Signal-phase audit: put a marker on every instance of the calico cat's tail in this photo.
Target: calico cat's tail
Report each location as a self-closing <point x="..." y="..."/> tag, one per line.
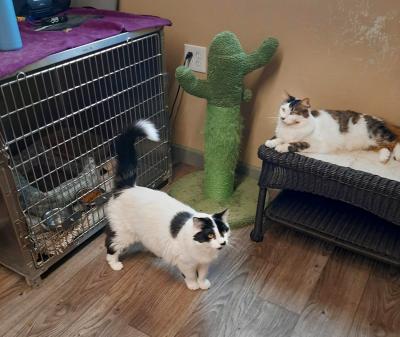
<point x="125" y="176"/>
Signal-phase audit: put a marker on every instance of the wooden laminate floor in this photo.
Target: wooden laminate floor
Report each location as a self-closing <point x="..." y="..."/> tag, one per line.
<point x="289" y="285"/>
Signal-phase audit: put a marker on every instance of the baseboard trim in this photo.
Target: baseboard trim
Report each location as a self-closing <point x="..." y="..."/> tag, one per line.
<point x="183" y="154"/>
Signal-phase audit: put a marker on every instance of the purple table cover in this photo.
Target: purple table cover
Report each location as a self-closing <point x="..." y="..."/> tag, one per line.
<point x="38" y="45"/>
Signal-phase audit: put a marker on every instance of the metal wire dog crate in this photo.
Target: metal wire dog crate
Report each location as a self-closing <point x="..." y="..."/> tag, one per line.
<point x="58" y="123"/>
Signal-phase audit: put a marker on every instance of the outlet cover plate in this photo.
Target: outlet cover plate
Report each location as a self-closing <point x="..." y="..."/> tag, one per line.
<point x="199" y="59"/>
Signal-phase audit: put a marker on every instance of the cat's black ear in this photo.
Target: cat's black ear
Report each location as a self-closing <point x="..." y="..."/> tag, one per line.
<point x="289" y="97"/>
<point x="222" y="215"/>
<point x="306" y="102"/>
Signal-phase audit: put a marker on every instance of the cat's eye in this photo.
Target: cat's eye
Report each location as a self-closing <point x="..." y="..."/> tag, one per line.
<point x="211" y="236"/>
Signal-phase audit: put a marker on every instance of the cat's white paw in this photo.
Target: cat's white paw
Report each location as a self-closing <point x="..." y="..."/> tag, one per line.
<point x="282" y="148"/>
<point x="204" y="284"/>
<point x="114" y="263"/>
<point x="271" y="143"/>
<point x="192" y="285"/>
<point x="384" y="155"/>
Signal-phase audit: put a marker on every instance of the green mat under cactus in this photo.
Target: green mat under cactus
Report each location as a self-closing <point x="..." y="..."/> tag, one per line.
<point x="242" y="204"/>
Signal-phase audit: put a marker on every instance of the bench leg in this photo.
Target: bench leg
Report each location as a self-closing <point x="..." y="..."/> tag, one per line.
<point x="257" y="234"/>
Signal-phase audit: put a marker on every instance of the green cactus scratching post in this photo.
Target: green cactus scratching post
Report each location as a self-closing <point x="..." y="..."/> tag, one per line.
<point x="224" y="91"/>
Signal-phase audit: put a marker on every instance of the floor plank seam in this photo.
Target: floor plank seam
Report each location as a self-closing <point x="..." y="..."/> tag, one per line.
<point x="358" y="304"/>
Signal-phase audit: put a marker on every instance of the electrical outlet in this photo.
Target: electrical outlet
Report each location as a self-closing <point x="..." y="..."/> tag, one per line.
<point x="199" y="59"/>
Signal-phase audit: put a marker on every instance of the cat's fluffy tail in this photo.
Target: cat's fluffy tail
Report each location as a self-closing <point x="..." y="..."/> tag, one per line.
<point x="125" y="176"/>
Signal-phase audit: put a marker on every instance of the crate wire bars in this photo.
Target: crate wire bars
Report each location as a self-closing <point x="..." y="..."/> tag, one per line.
<point x="58" y="126"/>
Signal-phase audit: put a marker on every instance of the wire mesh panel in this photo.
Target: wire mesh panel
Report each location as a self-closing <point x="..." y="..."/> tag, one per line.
<point x="59" y="126"/>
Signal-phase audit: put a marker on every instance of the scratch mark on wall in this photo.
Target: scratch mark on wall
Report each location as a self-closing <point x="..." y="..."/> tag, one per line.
<point x="358" y="24"/>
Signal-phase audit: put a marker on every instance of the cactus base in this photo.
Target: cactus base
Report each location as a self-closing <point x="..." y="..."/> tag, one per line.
<point x="242" y="204"/>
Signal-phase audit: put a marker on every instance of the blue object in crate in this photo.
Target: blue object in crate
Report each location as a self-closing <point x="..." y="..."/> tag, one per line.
<point x="10" y="38"/>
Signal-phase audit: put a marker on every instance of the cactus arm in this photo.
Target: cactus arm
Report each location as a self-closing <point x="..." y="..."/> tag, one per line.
<point x="191" y="84"/>
<point x="262" y="55"/>
<point x="247" y="95"/>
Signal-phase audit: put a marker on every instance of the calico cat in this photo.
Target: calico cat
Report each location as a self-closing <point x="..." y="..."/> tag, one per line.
<point x="302" y="129"/>
<point x="170" y="229"/>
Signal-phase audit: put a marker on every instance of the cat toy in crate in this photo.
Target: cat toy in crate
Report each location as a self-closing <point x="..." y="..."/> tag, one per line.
<point x="37" y="202"/>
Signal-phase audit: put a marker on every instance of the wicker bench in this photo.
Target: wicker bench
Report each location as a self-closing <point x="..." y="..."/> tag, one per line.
<point x="351" y="208"/>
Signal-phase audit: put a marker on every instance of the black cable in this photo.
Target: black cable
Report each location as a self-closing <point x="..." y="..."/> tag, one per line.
<point x="188" y="58"/>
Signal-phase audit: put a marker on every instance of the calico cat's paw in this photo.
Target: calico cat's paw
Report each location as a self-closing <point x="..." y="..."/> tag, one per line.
<point x="271" y="143"/>
<point x="204" y="284"/>
<point x="282" y="148"/>
<point x="396" y="152"/>
<point x="192" y="285"/>
<point x="384" y="155"/>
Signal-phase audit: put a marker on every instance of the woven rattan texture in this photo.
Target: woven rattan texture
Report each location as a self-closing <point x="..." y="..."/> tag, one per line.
<point x="338" y="222"/>
<point x="292" y="171"/>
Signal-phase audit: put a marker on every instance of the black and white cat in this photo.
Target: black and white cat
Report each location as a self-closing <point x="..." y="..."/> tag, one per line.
<point x="170" y="229"/>
<point x="301" y="129"/>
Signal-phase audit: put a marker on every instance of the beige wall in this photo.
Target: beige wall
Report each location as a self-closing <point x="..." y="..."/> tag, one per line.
<point x="343" y="54"/>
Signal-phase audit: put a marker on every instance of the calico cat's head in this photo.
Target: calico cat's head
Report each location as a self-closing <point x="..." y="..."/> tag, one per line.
<point x="212" y="230"/>
<point x="294" y="110"/>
